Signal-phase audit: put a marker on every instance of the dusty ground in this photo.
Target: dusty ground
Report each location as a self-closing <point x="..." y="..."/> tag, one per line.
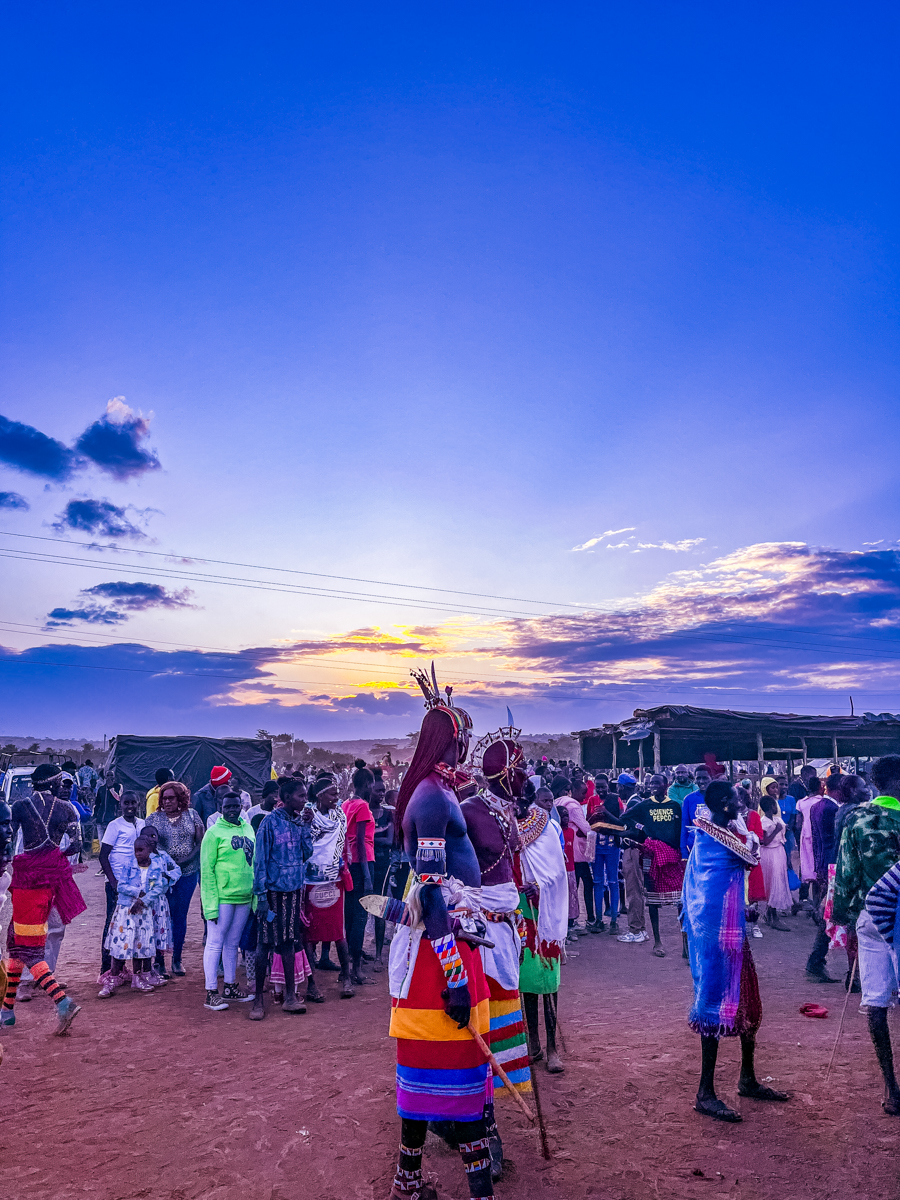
<point x="152" y="1096"/>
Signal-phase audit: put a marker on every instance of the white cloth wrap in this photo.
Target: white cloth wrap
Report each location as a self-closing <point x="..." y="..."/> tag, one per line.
<point x="543" y="863"/>
<point x="405" y="943"/>
<point x="501" y="963"/>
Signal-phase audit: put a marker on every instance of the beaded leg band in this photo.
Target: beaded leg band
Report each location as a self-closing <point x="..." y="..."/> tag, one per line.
<point x="476" y="1158"/>
<point x="408" y="1178"/>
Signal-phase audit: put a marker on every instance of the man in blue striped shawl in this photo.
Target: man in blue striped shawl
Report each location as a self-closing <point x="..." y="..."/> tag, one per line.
<point x="726" y="992"/>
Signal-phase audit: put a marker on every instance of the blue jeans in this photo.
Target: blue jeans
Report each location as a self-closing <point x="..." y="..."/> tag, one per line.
<point x="180" y="896"/>
<point x="606" y="875"/>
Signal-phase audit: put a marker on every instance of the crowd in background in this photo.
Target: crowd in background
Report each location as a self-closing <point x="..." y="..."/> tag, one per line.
<point x="156" y="850"/>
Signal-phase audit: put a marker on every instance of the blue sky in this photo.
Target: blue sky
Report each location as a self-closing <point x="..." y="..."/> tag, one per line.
<point x="435" y="298"/>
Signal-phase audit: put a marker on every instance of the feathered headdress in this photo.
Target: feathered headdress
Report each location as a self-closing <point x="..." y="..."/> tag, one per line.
<point x="434" y="699"/>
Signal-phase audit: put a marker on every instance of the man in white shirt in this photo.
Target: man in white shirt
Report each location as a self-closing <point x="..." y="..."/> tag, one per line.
<point x="116" y="851"/>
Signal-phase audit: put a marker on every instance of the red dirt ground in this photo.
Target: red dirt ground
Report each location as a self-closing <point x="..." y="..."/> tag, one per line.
<point x="154" y="1097"/>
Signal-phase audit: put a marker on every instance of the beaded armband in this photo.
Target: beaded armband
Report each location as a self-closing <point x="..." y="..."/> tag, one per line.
<point x="449" y="957"/>
<point x="431" y="860"/>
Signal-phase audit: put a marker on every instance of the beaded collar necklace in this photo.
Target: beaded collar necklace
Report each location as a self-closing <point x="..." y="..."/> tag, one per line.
<point x="454" y="777"/>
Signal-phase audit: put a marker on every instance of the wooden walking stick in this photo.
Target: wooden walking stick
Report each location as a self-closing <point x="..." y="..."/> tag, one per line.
<point x="545" y="1148"/>
<point x="498" y="1070"/>
<point x="843" y="1014"/>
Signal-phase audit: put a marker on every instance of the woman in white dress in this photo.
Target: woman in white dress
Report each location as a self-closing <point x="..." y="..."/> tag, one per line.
<point x="774" y="863"/>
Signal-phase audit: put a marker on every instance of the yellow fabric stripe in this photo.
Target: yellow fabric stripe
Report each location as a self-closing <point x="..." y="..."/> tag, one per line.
<point x="502" y="1008"/>
<point x="433" y="1025"/>
<point x="30" y="930"/>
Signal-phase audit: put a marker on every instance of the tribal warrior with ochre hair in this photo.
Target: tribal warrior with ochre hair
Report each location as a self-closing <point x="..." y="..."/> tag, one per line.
<point x="437" y="981"/>
<point x="42" y="880"/>
<point x="491" y="822"/>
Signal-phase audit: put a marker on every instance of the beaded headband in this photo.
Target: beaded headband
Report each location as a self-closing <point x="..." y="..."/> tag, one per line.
<point x="505" y="734"/>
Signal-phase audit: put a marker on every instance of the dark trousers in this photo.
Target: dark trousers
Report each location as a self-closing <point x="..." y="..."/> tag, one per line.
<point x="180" y="896"/>
<point x="355" y="916"/>
<point x="111" y="900"/>
<point x="584" y="875"/>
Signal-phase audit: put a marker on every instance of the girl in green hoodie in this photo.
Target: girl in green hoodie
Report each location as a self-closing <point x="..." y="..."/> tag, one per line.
<point x="226" y="889"/>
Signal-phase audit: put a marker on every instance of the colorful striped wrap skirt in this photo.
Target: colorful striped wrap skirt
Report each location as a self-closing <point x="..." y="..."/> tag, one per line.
<point x="441" y="1072"/>
<point x="507" y="1038"/>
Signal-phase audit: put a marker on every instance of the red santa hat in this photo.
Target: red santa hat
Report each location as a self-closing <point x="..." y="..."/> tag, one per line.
<point x="219" y="775"/>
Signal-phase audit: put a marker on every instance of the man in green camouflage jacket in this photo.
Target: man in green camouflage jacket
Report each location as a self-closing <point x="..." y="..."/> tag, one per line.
<point x="870" y="845"/>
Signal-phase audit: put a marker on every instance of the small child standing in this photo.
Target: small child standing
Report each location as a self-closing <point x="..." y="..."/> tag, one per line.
<point x="162" y="918"/>
<point x="130" y="934"/>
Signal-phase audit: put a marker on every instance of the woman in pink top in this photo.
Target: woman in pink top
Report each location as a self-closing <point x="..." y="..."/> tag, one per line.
<point x="360" y="851"/>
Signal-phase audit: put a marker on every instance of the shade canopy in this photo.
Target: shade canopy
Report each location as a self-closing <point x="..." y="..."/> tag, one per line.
<point x="675" y="733"/>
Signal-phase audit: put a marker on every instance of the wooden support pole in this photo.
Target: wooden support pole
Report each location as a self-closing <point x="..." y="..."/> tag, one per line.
<point x="760" y="758"/>
<point x="657" y="754"/>
<point x="614" y="747"/>
<point x="805" y="751"/>
<point x="834" y="747"/>
<point x="641" y="758"/>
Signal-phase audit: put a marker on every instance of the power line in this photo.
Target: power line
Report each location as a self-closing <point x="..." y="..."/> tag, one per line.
<point x="450" y="607"/>
<point x="260" y="585"/>
<point x="222" y="562"/>
<point x="587" y="605"/>
<point x="296" y="589"/>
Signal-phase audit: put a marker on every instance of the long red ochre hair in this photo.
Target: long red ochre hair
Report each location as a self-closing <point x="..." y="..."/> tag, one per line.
<point x="436" y="737"/>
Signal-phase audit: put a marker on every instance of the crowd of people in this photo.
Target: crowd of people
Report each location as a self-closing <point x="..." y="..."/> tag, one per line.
<point x="487" y="867"/>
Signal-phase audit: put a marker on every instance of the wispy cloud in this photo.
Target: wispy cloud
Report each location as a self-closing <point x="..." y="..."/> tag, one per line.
<point x="100" y="517"/>
<point x="677" y="547"/>
<point x="631" y="543"/>
<point x="595" y="541"/>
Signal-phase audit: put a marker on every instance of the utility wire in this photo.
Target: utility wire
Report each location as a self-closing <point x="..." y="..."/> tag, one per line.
<point x="295" y="571"/>
<point x="450" y="606"/>
<point x="261" y="585"/>
<point x="301" y="590"/>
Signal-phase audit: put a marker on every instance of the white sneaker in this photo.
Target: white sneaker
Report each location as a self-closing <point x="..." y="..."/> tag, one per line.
<point x="756" y="932"/>
<point x="643" y="936"/>
<point x="626" y="937"/>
